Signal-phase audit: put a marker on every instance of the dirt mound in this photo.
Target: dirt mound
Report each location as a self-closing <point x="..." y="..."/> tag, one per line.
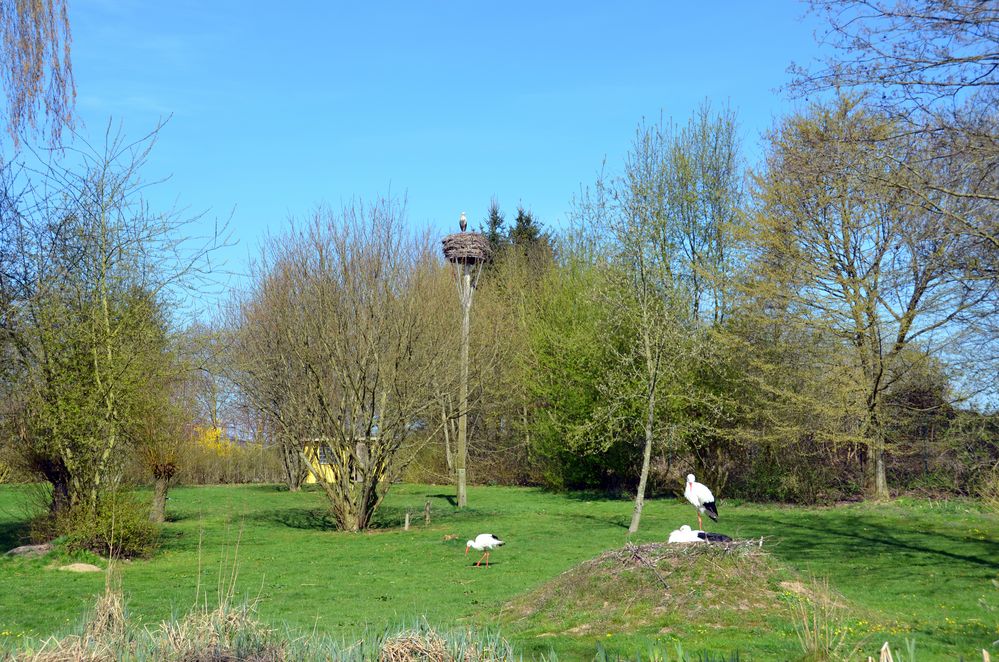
<point x="656" y="586"/>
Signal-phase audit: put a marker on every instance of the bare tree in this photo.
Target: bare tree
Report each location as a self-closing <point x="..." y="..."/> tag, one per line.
<point x="932" y="66"/>
<point x="262" y="363"/>
<point x="357" y="318"/>
<point x="704" y="195"/>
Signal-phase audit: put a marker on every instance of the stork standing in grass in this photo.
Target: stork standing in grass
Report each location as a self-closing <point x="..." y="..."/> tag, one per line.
<point x="484" y="542"/>
<point x="702" y="499"/>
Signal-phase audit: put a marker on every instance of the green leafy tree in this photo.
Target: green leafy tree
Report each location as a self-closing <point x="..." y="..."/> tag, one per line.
<point x="85" y="314"/>
<point x="861" y="258"/>
<point x="582" y="435"/>
<point x="632" y="215"/>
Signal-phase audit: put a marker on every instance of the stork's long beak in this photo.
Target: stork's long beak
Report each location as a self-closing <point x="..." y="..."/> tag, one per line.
<point x="466" y="550"/>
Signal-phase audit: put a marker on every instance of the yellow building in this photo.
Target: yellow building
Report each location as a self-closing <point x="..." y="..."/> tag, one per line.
<point x="320" y="455"/>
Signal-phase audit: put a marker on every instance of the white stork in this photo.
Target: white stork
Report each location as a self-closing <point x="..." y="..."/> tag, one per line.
<point x="686" y="534"/>
<point x="701" y="498"/>
<point x="484" y="542"/>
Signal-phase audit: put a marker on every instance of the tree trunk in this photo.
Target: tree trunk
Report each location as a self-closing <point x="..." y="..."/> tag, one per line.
<point x="877" y="480"/>
<point x="55" y="472"/>
<point x="646" y="461"/>
<point x="158" y="512"/>
<point x="60" y="495"/>
<point x="293" y="472"/>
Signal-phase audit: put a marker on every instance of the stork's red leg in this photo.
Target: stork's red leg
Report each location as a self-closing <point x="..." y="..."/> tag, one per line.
<point x="700" y="523"/>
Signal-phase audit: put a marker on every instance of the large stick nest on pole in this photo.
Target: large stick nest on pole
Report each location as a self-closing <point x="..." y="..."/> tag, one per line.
<point x="467" y="247"/>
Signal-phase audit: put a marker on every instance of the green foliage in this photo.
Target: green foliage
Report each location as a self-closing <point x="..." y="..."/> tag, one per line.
<point x="790" y="473"/>
<point x="117" y="527"/>
<point x="90" y="290"/>
<point x="494" y="230"/>
<point x="526" y="233"/>
<point x="582" y="438"/>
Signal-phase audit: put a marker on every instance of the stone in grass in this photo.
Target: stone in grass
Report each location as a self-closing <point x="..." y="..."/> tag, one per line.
<point x="80" y="567"/>
<point x="30" y="551"/>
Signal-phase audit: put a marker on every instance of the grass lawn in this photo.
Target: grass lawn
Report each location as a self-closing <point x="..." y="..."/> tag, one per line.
<point x="908" y="569"/>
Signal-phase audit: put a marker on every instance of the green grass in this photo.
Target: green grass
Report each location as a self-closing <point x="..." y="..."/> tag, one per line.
<point x="907" y="569"/>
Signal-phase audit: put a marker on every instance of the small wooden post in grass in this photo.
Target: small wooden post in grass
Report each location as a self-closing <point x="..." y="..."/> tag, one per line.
<point x="406" y="526"/>
<point x="426" y="513"/>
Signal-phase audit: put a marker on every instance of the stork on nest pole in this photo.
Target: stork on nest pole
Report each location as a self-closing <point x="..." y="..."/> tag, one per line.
<point x="467" y="252"/>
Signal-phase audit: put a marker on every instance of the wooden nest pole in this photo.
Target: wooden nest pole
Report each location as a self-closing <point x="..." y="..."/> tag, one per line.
<point x="467" y="252"/>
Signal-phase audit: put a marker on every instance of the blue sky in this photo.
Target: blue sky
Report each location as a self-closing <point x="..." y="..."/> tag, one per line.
<point x="277" y="107"/>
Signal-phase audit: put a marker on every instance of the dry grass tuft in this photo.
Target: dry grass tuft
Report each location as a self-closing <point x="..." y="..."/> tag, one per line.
<point x="820" y="621"/>
<point x="425" y="644"/>
<point x="223" y="633"/>
<point x="406" y="646"/>
<point x="105" y="632"/>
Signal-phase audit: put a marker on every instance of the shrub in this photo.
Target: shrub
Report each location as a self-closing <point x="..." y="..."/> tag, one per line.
<point x="119" y="527"/>
<point x="989" y="488"/>
<point x="226" y="462"/>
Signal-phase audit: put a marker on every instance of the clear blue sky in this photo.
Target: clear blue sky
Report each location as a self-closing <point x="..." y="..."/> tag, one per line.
<point x="279" y="106"/>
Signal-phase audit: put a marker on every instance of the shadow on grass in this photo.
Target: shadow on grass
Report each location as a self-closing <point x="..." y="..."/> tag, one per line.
<point x="386" y="517"/>
<point x="394" y="516"/>
<point x="13" y="534"/>
<point x="595" y="495"/>
<point x="450" y="498"/>
<point x="806" y="537"/>
<point x="269" y="488"/>
<point x="608" y="520"/>
<point x="309" y="519"/>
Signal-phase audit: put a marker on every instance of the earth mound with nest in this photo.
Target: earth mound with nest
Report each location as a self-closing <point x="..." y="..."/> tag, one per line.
<point x="660" y="588"/>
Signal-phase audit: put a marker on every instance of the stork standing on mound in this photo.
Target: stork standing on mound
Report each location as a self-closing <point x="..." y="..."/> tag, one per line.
<point x="484" y="542"/>
<point x="702" y="499"/>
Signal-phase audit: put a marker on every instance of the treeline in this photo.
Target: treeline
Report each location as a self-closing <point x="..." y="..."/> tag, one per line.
<point x="804" y="331"/>
<point x="820" y="325"/>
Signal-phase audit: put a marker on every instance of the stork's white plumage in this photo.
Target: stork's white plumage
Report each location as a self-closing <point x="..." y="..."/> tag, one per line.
<point x="484" y="542"/>
<point x="701" y="498"/>
<point x="684" y="534"/>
